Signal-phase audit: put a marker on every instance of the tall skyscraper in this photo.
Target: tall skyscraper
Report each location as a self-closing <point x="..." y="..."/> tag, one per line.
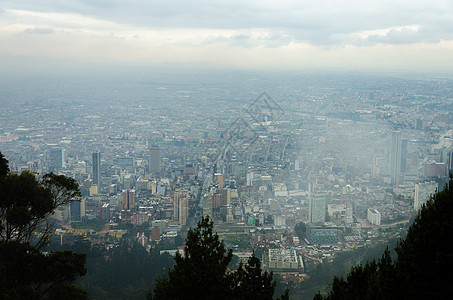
<point x="97" y="169"/>
<point x="449" y="159"/>
<point x="207" y="205"/>
<point x="317" y="207"/>
<point x="403" y="155"/>
<point x="154" y="159"/>
<point x="218" y="180"/>
<point x="56" y="159"/>
<point x="348" y="215"/>
<point x="77" y="210"/>
<point x="127" y="200"/>
<point x="181" y="206"/>
<point x="104" y="211"/>
<point x="398" y="155"/>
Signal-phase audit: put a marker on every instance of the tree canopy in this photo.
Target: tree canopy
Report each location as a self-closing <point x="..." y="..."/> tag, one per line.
<point x="4" y="167"/>
<point x="249" y="282"/>
<point x="300" y="230"/>
<point x="25" y="205"/>
<point x="27" y="273"/>
<point x="421" y="269"/>
<point x="202" y="272"/>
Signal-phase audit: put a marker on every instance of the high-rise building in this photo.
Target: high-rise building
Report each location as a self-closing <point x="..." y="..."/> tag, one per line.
<point x="434" y="169"/>
<point x="317" y="207"/>
<point x="77" y="210"/>
<point x="56" y="159"/>
<point x="398" y="156"/>
<point x="155" y="234"/>
<point x="419" y="124"/>
<point x="104" y="211"/>
<point x="403" y="155"/>
<point x="181" y="206"/>
<point x="216" y="201"/>
<point x="226" y="196"/>
<point x="423" y="191"/>
<point x="230" y="217"/>
<point x="189" y="170"/>
<point x="449" y="160"/>
<point x="127" y="200"/>
<point x="348" y="214"/>
<point x="373" y="216"/>
<point x="207" y="205"/>
<point x="154" y="159"/>
<point x="96" y="168"/>
<point x="218" y="180"/>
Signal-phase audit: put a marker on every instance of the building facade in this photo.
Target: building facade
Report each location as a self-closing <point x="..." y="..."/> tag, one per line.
<point x="128" y="200"/>
<point x="373" y="216"/>
<point x="56" y="159"/>
<point x="154" y="159"/>
<point x="423" y="192"/>
<point x="317" y="207"/>
<point x="398" y="155"/>
<point x="181" y="206"/>
<point x="96" y="169"/>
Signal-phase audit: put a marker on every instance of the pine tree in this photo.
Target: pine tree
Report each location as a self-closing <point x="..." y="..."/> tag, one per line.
<point x="202" y="272"/>
<point x="249" y="282"/>
<point x="421" y="269"/>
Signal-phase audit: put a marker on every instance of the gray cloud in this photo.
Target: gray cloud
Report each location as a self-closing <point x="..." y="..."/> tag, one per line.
<point x="38" y="31"/>
<point x="272" y="40"/>
<point x="326" y="23"/>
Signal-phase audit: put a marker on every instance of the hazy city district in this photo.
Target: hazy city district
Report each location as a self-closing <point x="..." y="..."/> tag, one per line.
<point x="295" y="167"/>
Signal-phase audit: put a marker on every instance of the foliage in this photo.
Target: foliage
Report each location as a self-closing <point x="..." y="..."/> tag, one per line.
<point x="300" y="230"/>
<point x="321" y="274"/>
<point x="95" y="224"/>
<point x="202" y="273"/>
<point x="418" y="270"/>
<point x="250" y="283"/>
<point x="25" y="205"/>
<point x="423" y="255"/>
<point x="31" y="274"/>
<point x="4" y="167"/>
<point x="123" y="271"/>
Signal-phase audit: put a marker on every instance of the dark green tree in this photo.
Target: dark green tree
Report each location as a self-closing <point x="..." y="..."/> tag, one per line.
<point x="374" y="280"/>
<point x="419" y="269"/>
<point x="300" y="230"/>
<point x="4" y="167"/>
<point x="31" y="274"/>
<point x="25" y="205"/>
<point x="423" y="256"/>
<point x="122" y="272"/>
<point x="202" y="272"/>
<point x="249" y="282"/>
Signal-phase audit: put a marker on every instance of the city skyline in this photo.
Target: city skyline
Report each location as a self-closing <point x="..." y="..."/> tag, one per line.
<point x="314" y="152"/>
<point x="297" y="136"/>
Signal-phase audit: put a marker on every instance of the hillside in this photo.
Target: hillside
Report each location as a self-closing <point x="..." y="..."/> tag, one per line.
<point x="422" y="268"/>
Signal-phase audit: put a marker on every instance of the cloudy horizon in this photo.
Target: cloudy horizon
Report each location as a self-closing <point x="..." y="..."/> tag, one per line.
<point x="382" y="35"/>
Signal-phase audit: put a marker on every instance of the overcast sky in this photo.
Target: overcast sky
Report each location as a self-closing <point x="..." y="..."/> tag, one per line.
<point x="279" y="34"/>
